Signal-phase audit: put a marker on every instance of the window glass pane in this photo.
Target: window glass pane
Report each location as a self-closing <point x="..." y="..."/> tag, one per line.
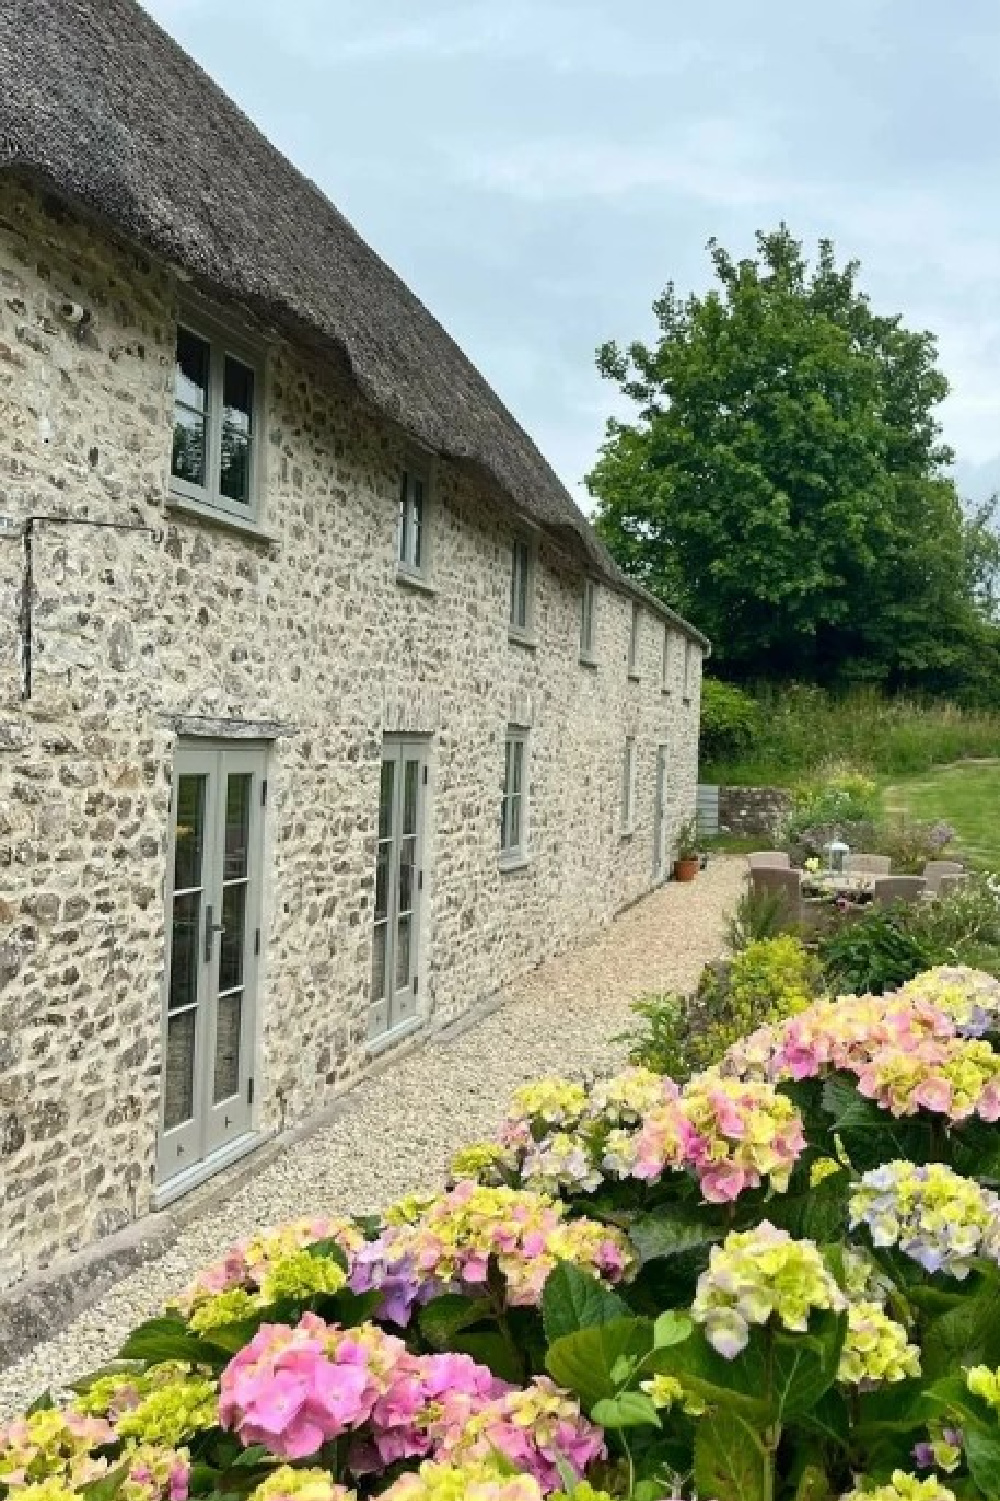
<point x="407" y="874"/>
<point x="233" y="937"/>
<point x="633" y="645"/>
<point x="517" y="764"/>
<point x="226" y="1080"/>
<point x="515" y="821"/>
<point x="418" y="522"/>
<point x="237" y="430"/>
<point x="189" y="832"/>
<point x="522" y="602"/>
<point x="178" y="1070"/>
<point x="187" y="460"/>
<point x="411" y="783"/>
<point x="505" y="822"/>
<point x="403" y="521"/>
<point x="378" y="962"/>
<point x="238" y="790"/>
<point x="385" y="800"/>
<point x="185" y="924"/>
<point x="403" y="953"/>
<point x="382" y="880"/>
<point x="191" y="371"/>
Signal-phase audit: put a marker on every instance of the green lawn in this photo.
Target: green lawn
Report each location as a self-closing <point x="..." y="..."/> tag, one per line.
<point x="966" y="795"/>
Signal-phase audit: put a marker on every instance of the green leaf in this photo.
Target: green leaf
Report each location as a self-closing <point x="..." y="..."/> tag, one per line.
<point x="107" y="1487"/>
<point x="967" y="1335"/>
<point x="671" y="1328"/>
<point x="730" y="1461"/>
<point x="672" y="1230"/>
<point x="813" y="1486"/>
<point x="829" y="1417"/>
<point x="583" y="1362"/>
<point x="255" y="1455"/>
<point x="444" y="1317"/>
<point x="627" y="1410"/>
<point x="42" y="1403"/>
<point x="573" y="1299"/>
<point x="731" y="1383"/>
<point x="982" y="1455"/>
<point x="164" y="1339"/>
<point x="329" y="1250"/>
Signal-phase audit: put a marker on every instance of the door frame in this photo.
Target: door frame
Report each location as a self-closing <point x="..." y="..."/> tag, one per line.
<point x="216" y="759"/>
<point x="406" y="746"/>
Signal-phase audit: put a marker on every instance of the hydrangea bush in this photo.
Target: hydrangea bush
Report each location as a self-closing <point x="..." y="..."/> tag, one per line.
<point x="776" y="1281"/>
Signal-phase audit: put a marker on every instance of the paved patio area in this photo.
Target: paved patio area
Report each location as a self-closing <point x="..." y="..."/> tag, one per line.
<point x="399" y="1130"/>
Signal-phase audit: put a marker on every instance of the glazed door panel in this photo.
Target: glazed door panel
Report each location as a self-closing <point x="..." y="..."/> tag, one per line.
<point x="398" y="886"/>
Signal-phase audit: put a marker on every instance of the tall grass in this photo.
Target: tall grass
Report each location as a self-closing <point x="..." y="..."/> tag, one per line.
<point x="801" y="728"/>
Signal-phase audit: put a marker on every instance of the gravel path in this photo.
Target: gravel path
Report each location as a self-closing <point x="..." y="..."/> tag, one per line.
<point x="400" y="1129"/>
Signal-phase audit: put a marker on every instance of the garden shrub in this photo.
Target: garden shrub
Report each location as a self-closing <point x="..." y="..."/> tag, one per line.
<point x="730" y="721"/>
<point x="878" y="950"/>
<point x="777" y="1282"/>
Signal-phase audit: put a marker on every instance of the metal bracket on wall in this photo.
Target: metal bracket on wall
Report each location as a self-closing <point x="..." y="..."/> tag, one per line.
<point x="24" y="527"/>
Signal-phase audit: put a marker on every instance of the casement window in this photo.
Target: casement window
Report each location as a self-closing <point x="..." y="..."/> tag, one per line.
<point x="689" y="647"/>
<point x="633" y="642"/>
<point x="412" y="552"/>
<point x="667" y="660"/>
<point x="215" y="460"/>
<point x="588" y="606"/>
<point x="514" y="804"/>
<point x="628" y="786"/>
<point x="522" y="589"/>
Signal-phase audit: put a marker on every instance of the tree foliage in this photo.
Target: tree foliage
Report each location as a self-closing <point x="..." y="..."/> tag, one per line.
<point x="784" y="481"/>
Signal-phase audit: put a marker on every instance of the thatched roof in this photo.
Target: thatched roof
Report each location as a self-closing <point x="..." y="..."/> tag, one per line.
<point x="102" y="106"/>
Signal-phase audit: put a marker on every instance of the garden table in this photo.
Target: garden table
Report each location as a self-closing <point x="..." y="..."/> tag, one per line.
<point x="834" y="883"/>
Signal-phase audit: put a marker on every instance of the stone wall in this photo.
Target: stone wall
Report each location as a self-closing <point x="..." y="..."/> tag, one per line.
<point x="754" y="810"/>
<point x="138" y="634"/>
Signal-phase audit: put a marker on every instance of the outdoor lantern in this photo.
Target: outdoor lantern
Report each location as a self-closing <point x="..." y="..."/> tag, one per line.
<point x="836" y="855"/>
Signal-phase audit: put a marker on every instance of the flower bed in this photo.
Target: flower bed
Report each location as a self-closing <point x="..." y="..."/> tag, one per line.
<point x="778" y="1280"/>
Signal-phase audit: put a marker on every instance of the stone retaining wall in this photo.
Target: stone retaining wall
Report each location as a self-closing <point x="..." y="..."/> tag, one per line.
<point x="754" y="810"/>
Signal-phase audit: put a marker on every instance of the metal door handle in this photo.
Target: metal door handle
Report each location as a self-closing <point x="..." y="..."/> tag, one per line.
<point x="210" y="929"/>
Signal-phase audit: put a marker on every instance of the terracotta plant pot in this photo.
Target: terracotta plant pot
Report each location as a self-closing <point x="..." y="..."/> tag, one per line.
<point x="686" y="870"/>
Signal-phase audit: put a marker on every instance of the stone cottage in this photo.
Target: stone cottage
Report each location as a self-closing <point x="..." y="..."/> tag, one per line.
<point x="323" y="712"/>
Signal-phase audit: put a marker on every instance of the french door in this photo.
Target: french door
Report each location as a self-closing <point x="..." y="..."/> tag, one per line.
<point x="213" y="917"/>
<point x="660" y="816"/>
<point x="398" y="885"/>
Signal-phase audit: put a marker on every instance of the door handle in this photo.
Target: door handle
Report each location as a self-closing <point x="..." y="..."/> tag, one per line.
<point x="211" y="928"/>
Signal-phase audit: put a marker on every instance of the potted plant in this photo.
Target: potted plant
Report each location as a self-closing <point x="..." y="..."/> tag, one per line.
<point x="686" y="857"/>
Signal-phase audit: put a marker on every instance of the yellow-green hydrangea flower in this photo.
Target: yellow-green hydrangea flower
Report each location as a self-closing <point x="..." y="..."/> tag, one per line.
<point x="301" y="1275"/>
<point x="904" y="1487"/>
<point x="173" y="1413"/>
<point x="876" y="1347"/>
<point x="484" y="1161"/>
<point x="983" y="1382"/>
<point x="666" y="1392"/>
<point x="479" y="1481"/>
<point x="288" y="1484"/>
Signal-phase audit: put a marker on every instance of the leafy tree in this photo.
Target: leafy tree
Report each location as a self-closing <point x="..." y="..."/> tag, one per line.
<point x="784" y="480"/>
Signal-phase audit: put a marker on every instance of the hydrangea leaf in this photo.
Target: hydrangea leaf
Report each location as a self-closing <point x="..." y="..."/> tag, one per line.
<point x="583" y="1362"/>
<point x="444" y="1317"/>
<point x="574" y="1299"/>
<point x="729" y="1459"/>
<point x="627" y="1410"/>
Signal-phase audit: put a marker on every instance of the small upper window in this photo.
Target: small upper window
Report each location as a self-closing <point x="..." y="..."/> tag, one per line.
<point x="667" y="660"/>
<point x="587" y="620"/>
<point x="628" y="787"/>
<point x="633" y="643"/>
<point x="215" y="459"/>
<point x="411" y="527"/>
<point x="513" y="806"/>
<point x="521" y="588"/>
<point x="689" y="648"/>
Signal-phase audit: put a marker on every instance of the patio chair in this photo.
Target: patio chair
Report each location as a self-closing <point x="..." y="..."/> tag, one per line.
<point x="868" y="865"/>
<point x="769" y="860"/>
<point x="934" y="870"/>
<point x="889" y="889"/>
<point x="773" y="880"/>
<point x="949" y="884"/>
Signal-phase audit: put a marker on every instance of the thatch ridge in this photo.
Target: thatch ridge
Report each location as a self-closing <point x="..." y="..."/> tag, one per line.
<point x="99" y="103"/>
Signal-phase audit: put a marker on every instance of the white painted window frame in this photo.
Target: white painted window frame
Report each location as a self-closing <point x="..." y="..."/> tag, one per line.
<point x="689" y="647"/>
<point x="629" y="780"/>
<point x="588" y="623"/>
<point x="634" y="639"/>
<point x="222" y="341"/>
<point x="415" y="469"/>
<point x="522" y="633"/>
<point x="668" y="658"/>
<point x="514" y="856"/>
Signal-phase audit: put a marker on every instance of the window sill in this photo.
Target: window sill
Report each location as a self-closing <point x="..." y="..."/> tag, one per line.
<point x="627" y="833"/>
<point x="416" y="581"/>
<point x="222" y="519"/>
<point x="511" y="863"/>
<point x="686" y="700"/>
<point x="634" y="677"/>
<point x="527" y="639"/>
<point x="586" y="661"/>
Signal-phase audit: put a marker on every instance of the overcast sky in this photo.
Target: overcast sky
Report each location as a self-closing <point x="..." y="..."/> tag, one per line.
<point x="537" y="170"/>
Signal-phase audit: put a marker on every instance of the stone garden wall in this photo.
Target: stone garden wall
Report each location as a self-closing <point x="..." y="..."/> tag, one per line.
<point x="138" y="635"/>
<point x="754" y="810"/>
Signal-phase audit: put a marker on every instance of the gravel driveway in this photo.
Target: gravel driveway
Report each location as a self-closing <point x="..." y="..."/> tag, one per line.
<point x="399" y="1130"/>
